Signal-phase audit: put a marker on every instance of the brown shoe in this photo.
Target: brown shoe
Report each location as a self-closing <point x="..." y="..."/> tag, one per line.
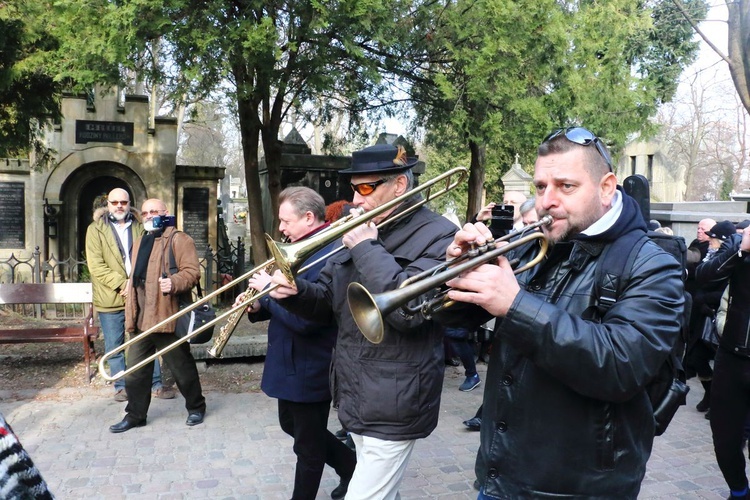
<point x="121" y="396"/>
<point x="163" y="393"/>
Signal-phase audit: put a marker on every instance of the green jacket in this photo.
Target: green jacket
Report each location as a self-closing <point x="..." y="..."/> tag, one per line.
<point x="105" y="262"/>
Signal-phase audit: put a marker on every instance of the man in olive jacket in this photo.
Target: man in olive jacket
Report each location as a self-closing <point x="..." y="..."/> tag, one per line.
<point x="389" y="393"/>
<point x="109" y="244"/>
<point x="566" y="413"/>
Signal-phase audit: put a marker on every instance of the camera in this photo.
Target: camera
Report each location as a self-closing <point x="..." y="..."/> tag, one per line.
<point x="502" y="220"/>
<point x="161" y="221"/>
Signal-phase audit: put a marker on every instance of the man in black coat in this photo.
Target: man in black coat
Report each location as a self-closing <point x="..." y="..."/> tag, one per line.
<point x="389" y="393"/>
<point x="730" y="388"/>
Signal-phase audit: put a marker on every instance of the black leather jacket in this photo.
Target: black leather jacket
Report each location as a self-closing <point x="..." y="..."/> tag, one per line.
<point x="565" y="411"/>
<point x="727" y="264"/>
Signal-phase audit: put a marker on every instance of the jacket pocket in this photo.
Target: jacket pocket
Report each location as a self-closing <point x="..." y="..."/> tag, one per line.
<point x="389" y="391"/>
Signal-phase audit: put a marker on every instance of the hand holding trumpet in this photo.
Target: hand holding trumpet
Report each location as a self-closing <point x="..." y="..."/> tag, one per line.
<point x="492" y="287"/>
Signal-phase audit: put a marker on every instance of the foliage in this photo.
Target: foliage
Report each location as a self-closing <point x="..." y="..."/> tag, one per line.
<point x="503" y="73"/>
<point x="28" y="95"/>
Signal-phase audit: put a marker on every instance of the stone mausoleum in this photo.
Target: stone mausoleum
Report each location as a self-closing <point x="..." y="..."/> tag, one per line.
<point x="104" y="140"/>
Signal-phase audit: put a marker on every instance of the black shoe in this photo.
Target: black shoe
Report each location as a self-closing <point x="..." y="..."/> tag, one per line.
<point x="704" y="403"/>
<point x="126" y="425"/>
<point x="340" y="434"/>
<point x="340" y="491"/>
<point x="350" y="443"/>
<point x="473" y="423"/>
<point x="195" y="418"/>
<point x="452" y="362"/>
<point x="707" y="416"/>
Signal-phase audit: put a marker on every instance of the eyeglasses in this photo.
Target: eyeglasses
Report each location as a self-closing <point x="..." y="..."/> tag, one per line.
<point x="152" y="212"/>
<point x="365" y="188"/>
<point x="584" y="137"/>
<point x="122" y="203"/>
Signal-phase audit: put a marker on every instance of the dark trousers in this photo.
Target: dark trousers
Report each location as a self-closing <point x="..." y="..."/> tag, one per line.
<point x="314" y="446"/>
<point x="730" y="402"/>
<point x="465" y="351"/>
<point x="179" y="360"/>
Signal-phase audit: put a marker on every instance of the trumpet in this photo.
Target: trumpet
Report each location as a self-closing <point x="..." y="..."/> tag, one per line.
<point x="288" y="257"/>
<point x="368" y="310"/>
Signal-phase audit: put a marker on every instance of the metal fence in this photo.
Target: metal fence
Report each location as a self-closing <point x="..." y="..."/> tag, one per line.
<point x="217" y="269"/>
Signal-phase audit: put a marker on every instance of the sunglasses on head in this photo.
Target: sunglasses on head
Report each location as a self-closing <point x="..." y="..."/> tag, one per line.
<point x="584" y="137"/>
<point x="121" y="202"/>
<point x="365" y="188"/>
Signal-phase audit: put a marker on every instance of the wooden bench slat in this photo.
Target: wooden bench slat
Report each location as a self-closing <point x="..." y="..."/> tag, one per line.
<point x="46" y="293"/>
<point x="52" y="293"/>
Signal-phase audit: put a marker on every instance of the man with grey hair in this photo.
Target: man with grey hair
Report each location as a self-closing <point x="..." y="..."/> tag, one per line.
<point x="409" y="360"/>
<point x="298" y="358"/>
<point x="109" y="243"/>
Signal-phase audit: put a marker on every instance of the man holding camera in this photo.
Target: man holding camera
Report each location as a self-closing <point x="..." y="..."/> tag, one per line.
<point x="153" y="296"/>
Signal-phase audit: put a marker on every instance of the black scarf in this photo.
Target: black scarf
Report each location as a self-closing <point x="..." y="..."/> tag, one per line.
<point x="144" y="252"/>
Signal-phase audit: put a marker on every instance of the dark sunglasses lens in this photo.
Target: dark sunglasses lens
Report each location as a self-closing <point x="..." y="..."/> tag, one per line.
<point x="553" y="134"/>
<point x="580" y="135"/>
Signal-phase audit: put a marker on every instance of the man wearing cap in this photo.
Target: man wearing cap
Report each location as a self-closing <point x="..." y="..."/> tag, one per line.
<point x="389" y="394"/>
<point x="706" y="298"/>
<point x="730" y="388"/>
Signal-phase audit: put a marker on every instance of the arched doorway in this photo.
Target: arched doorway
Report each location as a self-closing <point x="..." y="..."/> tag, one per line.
<point x="78" y="193"/>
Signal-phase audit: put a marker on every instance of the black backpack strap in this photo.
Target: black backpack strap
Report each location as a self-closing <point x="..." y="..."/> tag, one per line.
<point x="613" y="269"/>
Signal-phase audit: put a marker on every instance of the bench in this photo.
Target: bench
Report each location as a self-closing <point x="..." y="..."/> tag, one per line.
<point x="81" y="329"/>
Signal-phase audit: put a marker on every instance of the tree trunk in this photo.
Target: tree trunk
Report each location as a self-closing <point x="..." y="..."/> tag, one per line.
<point x="250" y="133"/>
<point x="476" y="179"/>
<point x="738" y="43"/>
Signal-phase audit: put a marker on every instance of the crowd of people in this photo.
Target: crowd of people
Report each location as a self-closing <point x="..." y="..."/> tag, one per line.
<point x="557" y="365"/>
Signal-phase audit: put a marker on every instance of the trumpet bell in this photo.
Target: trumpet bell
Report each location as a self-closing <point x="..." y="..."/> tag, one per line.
<point x="366" y="312"/>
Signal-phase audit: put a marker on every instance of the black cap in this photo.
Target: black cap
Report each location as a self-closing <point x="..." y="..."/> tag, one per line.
<point x="722" y="230"/>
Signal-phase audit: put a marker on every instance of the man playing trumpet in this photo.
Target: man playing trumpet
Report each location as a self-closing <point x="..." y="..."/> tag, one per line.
<point x="389" y="394"/>
<point x="565" y="413"/>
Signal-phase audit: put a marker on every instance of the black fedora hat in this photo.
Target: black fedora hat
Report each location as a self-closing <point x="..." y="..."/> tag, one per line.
<point x="722" y="230"/>
<point x="380" y="158"/>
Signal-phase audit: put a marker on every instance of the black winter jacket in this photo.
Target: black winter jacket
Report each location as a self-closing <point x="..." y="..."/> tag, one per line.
<point x="565" y="411"/>
<point x="390" y="390"/>
<point x="728" y="264"/>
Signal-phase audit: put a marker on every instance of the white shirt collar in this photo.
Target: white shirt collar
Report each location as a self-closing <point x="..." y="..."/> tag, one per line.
<point x="608" y="219"/>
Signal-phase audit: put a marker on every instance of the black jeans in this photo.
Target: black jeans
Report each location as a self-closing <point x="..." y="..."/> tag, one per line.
<point x="179" y="360"/>
<point x="730" y="402"/>
<point x="314" y="446"/>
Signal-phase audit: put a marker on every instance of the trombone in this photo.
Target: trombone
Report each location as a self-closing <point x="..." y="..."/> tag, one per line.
<point x="368" y="310"/>
<point x="288" y="257"/>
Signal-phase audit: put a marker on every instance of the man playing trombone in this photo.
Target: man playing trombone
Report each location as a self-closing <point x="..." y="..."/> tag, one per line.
<point x="565" y="413"/>
<point x="299" y="358"/>
<point x="389" y="394"/>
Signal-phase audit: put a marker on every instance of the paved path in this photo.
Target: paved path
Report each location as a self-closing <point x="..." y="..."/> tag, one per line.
<point x="241" y="453"/>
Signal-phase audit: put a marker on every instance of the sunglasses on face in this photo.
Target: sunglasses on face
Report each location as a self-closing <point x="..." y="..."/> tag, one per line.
<point x="122" y="203"/>
<point x="152" y="213"/>
<point x="584" y="137"/>
<point x="365" y="188"/>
